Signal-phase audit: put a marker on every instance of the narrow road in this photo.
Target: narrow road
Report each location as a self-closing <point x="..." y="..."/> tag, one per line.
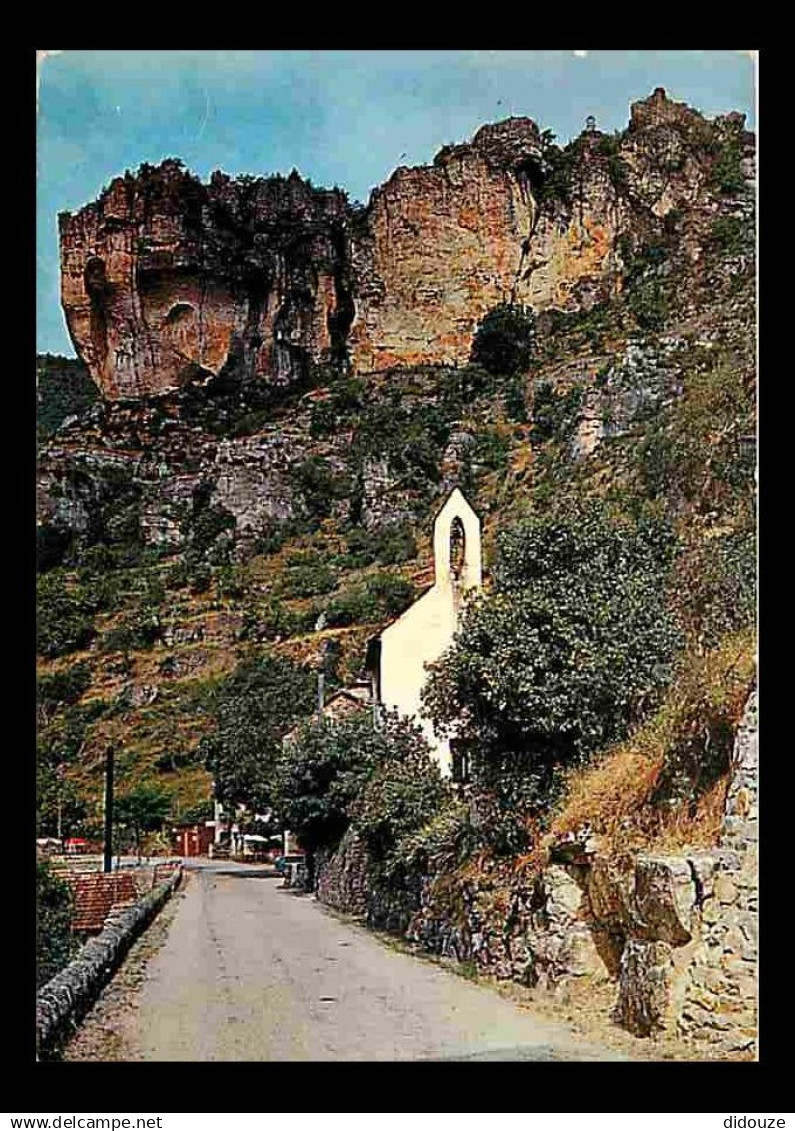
<point x="250" y="971"/>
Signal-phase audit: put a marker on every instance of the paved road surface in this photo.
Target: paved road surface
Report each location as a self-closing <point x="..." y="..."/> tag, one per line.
<point x="250" y="971"/>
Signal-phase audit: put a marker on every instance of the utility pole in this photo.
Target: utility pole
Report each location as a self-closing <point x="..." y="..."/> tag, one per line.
<point x="108" y="855"/>
<point x="60" y="772"/>
<point x="321" y="689"/>
<point x="320" y="624"/>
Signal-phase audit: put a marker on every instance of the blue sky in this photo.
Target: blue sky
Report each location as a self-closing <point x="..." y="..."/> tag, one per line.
<point x="340" y="117"/>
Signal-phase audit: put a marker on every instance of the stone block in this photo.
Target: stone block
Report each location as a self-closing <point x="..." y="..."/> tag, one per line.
<point x="609" y="894"/>
<point x="665" y="895"/>
<point x="563" y="893"/>
<point x="711" y="911"/>
<point x="645" y="983"/>
<point x="725" y="891"/>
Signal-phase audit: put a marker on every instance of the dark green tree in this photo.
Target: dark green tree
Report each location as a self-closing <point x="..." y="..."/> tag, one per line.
<point x="141" y="810"/>
<point x="321" y="773"/>
<point x="382" y="779"/>
<point x="404" y="793"/>
<point x="64" y="616"/>
<point x="572" y="647"/>
<point x="254" y="708"/>
<point x="504" y="340"/>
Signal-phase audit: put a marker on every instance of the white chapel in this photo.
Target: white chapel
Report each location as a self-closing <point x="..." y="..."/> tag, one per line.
<point x="398" y="661"/>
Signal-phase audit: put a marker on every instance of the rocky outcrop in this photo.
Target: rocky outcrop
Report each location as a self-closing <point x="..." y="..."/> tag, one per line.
<point x="150" y="465"/>
<point x="167" y="281"/>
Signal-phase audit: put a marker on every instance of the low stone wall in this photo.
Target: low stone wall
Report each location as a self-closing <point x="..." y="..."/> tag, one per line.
<point x="345" y="881"/>
<point x="719" y="1003"/>
<point x="677" y="933"/>
<point x="342" y="877"/>
<point x="65" y="999"/>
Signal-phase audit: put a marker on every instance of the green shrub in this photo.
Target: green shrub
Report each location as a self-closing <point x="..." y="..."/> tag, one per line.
<point x="515" y="401"/>
<point x="390" y="544"/>
<point x="64" y="616"/>
<point x="609" y="147"/>
<point x="731" y="235"/>
<point x="139" y="631"/>
<point x="278" y="531"/>
<point x="275" y="621"/>
<point x="440" y="844"/>
<point x="378" y="597"/>
<point x="700" y="450"/>
<point x="411" y="437"/>
<point x="307" y="575"/>
<point x="649" y="302"/>
<point x="231" y="583"/>
<point x="727" y="174"/>
<point x="54" y="940"/>
<point x="200" y="578"/>
<point x="555" y="414"/>
<point x="178" y="575"/>
<point x="463" y="385"/>
<point x="60" y="740"/>
<point x="382" y="779"/>
<point x="63" y="687"/>
<point x="402" y="794"/>
<point x="556" y="187"/>
<point x="339" y="410"/>
<point x="490" y="450"/>
<point x="318" y="486"/>
<point x="504" y="340"/>
<point x="205" y="522"/>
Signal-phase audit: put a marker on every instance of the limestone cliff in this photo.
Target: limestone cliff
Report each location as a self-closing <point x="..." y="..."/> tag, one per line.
<point x="166" y="281"/>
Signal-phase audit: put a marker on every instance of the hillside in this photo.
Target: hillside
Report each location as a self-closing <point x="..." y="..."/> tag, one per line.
<point x="261" y="456"/>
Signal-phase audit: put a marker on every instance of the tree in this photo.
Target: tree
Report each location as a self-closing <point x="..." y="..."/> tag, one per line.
<point x="504" y="340"/>
<point x="143" y="809"/>
<point x="383" y="780"/>
<point x="404" y="792"/>
<point x="64" y="616"/>
<point x="257" y="704"/>
<point x="320" y="775"/>
<point x="570" y="650"/>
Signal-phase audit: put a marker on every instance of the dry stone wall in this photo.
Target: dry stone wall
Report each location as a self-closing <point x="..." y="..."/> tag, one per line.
<point x="677" y="933"/>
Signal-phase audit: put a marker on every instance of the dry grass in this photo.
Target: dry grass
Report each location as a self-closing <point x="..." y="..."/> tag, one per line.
<point x="614" y="795"/>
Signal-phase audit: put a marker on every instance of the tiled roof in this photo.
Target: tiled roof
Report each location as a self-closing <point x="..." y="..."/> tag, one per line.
<point x="95" y="893"/>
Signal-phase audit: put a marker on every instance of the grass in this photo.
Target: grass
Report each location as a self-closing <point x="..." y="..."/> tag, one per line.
<point x="619" y="796"/>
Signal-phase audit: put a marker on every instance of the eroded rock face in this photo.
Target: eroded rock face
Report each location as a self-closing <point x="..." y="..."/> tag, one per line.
<point x="166" y="281"/>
